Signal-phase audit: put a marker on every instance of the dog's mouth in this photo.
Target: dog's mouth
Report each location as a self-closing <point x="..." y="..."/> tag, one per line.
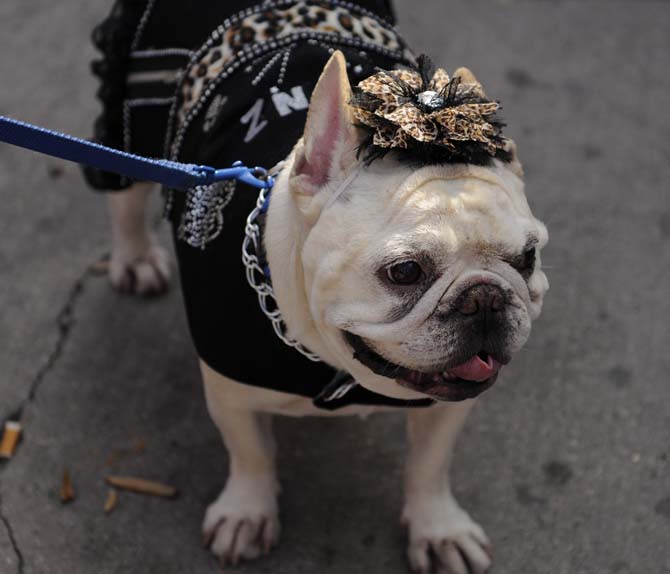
<point x="455" y="383"/>
<point x="464" y="381"/>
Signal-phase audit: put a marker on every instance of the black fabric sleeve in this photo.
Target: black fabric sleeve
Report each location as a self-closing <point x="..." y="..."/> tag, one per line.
<point x="113" y="37"/>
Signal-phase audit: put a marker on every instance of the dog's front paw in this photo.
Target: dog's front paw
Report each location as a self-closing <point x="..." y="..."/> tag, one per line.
<point x="443" y="538"/>
<point x="144" y="274"/>
<point x="243" y="522"/>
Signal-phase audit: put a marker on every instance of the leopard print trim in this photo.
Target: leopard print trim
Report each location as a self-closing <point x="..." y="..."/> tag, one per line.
<point x="427" y="114"/>
<point x="274" y="25"/>
<point x="397" y="116"/>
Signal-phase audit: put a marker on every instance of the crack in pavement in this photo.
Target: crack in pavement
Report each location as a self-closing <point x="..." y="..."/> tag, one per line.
<point x="64" y="322"/>
<point x="12" y="539"/>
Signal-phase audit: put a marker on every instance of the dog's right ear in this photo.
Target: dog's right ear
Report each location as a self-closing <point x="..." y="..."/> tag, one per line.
<point x="514" y="165"/>
<point x="330" y="138"/>
<point x="467" y="77"/>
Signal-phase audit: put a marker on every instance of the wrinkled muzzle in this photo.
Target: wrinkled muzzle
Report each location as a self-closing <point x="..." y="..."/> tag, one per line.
<point x="457" y="351"/>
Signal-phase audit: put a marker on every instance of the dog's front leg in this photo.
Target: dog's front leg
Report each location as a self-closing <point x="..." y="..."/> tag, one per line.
<point x="439" y="530"/>
<point x="138" y="264"/>
<point x="243" y="521"/>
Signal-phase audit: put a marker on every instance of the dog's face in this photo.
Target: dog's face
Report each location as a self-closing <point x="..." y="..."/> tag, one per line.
<point x="420" y="282"/>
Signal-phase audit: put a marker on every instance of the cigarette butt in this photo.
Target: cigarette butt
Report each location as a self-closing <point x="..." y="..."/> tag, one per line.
<point x="66" y="489"/>
<point x="142" y="486"/>
<point x="10" y="438"/>
<point x="112" y="499"/>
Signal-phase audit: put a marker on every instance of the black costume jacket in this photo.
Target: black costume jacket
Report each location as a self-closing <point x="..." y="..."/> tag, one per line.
<point x="216" y="82"/>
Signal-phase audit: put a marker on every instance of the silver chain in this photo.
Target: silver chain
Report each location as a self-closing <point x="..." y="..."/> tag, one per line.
<point x="256" y="277"/>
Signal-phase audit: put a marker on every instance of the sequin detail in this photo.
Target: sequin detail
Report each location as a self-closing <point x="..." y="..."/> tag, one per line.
<point x="202" y="220"/>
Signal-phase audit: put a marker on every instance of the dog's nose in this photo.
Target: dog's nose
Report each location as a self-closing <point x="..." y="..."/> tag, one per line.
<point x="480" y="298"/>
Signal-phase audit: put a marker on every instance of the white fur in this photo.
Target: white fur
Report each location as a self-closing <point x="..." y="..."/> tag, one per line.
<point x="323" y="250"/>
<point x="138" y="264"/>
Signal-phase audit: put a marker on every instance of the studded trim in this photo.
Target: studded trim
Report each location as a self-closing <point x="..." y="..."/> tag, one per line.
<point x="143" y="23"/>
<point x="230" y="47"/>
<point x="267" y="26"/>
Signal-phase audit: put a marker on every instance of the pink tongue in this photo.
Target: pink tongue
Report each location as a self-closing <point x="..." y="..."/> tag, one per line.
<point x="476" y="369"/>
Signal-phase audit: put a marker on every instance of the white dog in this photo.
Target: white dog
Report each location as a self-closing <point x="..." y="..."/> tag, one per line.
<point x="419" y="282"/>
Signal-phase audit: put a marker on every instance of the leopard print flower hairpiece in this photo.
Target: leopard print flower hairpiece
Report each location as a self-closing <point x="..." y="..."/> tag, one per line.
<point x="427" y="117"/>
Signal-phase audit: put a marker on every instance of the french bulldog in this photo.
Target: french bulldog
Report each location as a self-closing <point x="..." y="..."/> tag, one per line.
<point x="420" y="282"/>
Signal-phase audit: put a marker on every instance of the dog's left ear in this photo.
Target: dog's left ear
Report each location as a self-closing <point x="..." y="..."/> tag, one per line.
<point x="330" y="138"/>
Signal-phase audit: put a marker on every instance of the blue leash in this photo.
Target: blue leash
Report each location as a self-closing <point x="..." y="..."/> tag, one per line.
<point x="172" y="174"/>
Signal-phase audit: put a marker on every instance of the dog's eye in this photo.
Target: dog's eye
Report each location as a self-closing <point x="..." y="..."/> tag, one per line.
<point x="405" y="273"/>
<point x="525" y="262"/>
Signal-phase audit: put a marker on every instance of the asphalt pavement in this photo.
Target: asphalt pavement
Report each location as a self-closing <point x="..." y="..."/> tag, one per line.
<point x="566" y="462"/>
